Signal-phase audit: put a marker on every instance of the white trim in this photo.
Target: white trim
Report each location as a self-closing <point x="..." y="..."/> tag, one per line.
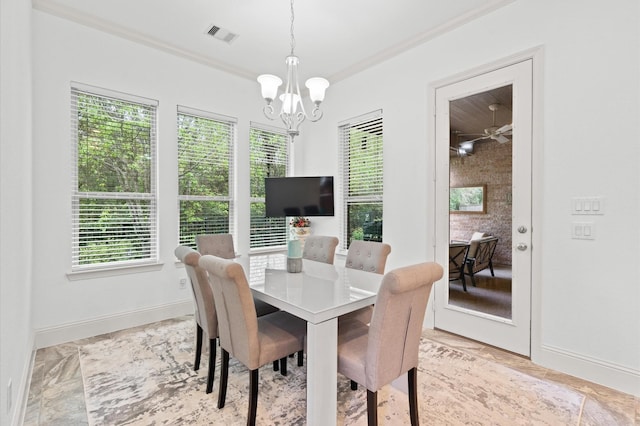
<point x="56" y="335"/>
<point x="114" y="94"/>
<point x="101" y="271"/>
<point x="592" y="369"/>
<point x="22" y="393"/>
<point x="181" y="109"/>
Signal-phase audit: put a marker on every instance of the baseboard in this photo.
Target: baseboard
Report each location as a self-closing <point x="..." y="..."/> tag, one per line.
<point x="602" y="372"/>
<point x="22" y="394"/>
<point x="51" y="336"/>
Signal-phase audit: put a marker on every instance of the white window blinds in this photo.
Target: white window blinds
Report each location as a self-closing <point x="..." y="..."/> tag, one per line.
<point x="361" y="161"/>
<point x="114" y="179"/>
<point x="205" y="173"/>
<point x="269" y="157"/>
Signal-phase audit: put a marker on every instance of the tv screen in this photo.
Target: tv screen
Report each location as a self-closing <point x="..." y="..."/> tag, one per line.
<point x="299" y="196"/>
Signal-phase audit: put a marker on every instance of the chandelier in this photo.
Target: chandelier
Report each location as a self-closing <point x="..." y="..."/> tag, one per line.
<point x="292" y="112"/>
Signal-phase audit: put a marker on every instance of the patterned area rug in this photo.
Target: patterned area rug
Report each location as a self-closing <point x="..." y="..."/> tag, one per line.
<point x="145" y="376"/>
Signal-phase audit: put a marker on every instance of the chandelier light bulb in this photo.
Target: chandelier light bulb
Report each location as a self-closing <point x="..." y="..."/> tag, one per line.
<point x="269" y="84"/>
<point x="317" y="87"/>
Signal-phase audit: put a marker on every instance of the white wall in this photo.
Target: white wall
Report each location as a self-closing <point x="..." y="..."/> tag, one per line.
<point x="66" y="52"/>
<point x="586" y="319"/>
<point x="15" y="206"/>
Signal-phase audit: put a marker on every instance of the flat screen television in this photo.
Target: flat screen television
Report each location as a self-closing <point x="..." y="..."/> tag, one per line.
<point x="299" y="196"/>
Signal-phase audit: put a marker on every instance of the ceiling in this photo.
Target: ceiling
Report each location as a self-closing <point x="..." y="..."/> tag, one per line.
<point x="334" y="38"/>
<point x="469" y="116"/>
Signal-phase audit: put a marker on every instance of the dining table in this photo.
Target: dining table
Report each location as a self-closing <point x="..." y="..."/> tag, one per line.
<point x="319" y="294"/>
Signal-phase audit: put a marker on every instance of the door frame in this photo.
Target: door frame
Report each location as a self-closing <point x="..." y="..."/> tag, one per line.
<point x="536" y="55"/>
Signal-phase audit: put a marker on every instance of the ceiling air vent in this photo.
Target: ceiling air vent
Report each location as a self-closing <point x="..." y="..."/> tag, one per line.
<point x="222" y="34"/>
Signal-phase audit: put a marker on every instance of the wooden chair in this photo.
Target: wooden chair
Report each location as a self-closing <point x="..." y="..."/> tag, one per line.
<point x="376" y="354"/>
<point x="252" y="340"/>
<point x="457" y="261"/>
<point x="320" y="248"/>
<point x="480" y="256"/>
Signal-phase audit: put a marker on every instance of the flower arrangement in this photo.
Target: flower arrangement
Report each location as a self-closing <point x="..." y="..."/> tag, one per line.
<point x="300" y="222"/>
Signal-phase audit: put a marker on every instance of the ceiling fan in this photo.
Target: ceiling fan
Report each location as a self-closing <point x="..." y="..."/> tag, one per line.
<point x="494" y="132"/>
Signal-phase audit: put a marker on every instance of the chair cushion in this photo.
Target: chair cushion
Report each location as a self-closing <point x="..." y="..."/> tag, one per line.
<point x="353" y="341"/>
<point x="279" y="334"/>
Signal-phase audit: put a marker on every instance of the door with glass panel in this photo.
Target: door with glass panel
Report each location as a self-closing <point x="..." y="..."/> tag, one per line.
<point x="483" y="202"/>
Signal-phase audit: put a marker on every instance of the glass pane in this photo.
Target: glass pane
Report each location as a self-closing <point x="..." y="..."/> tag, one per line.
<point x="364" y="222"/>
<point x="114" y="231"/>
<point x="268" y="159"/>
<point x="114" y="145"/>
<point x="202" y="217"/>
<point x="266" y="231"/>
<point x="204" y="147"/>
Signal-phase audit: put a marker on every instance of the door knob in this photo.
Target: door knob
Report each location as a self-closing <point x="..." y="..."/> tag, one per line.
<point x="521" y="246"/>
<point x="522" y="229"/>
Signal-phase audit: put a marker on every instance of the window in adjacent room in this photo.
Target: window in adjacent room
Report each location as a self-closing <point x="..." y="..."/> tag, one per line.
<point x="205" y="173"/>
<point x="269" y="157"/>
<point x="114" y="179"/>
<point x="361" y="166"/>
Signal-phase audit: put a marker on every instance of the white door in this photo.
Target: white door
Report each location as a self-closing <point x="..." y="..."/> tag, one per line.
<point x="513" y="331"/>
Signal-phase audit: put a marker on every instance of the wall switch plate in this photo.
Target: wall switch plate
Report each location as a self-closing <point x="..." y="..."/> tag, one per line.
<point x="583" y="231"/>
<point x="183" y="283"/>
<point x="587" y="205"/>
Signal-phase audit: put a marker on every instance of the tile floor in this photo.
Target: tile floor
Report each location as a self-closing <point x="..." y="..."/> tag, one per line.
<point x="56" y="395"/>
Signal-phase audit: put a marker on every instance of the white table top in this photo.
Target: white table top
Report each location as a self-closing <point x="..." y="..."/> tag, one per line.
<point x="318" y="293"/>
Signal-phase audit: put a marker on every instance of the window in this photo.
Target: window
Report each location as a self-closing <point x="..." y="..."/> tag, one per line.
<point x="269" y="157"/>
<point x="205" y="173"/>
<point x="114" y="179"/>
<point x="361" y="165"/>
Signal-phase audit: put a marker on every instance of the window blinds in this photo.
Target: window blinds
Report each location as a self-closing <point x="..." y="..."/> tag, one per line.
<point x="114" y="179"/>
<point x="205" y="173"/>
<point x="269" y="157"/>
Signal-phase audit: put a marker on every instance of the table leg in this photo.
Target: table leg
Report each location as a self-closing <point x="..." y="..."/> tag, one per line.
<point x="322" y="372"/>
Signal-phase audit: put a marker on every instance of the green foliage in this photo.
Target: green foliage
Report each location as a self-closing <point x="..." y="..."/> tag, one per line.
<point x="114" y="154"/>
<point x="461" y="197"/>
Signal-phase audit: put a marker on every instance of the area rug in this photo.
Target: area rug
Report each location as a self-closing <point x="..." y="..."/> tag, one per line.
<point x="145" y="376"/>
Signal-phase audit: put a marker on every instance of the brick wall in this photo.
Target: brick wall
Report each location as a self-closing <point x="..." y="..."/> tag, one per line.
<point x="489" y="165"/>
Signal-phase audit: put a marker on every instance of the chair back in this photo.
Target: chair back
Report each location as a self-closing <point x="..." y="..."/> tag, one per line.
<point x="457" y="259"/>
<point x="396" y="324"/>
<point x="485" y="247"/>
<point x="237" y="319"/>
<point x="370" y="256"/>
<point x="320" y="248"/>
<point x="219" y="245"/>
<point x="205" y="306"/>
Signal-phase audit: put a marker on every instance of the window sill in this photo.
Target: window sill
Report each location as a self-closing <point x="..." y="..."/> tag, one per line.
<point x="109" y="272"/>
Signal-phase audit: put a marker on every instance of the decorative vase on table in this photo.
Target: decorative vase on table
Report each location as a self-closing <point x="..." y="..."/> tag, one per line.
<point x="299" y="229"/>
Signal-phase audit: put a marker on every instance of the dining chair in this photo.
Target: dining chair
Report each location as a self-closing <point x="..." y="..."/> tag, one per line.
<point x="221" y="245"/>
<point x="320" y="248"/>
<point x="205" y="310"/>
<point x="370" y="256"/>
<point x="254" y="341"/>
<point x="376" y="354"/>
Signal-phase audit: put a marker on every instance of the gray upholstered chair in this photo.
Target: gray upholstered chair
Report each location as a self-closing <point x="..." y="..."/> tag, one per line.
<point x="252" y="340"/>
<point x="376" y="354"/>
<point x="320" y="248"/>
<point x="457" y="261"/>
<point x="220" y="245"/>
<point x="205" y="311"/>
<point x="370" y="256"/>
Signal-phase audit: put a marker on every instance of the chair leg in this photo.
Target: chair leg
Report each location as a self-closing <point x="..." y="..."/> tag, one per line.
<point x="196" y="363"/>
<point x="300" y="358"/>
<point x="412" y="376"/>
<point x="276" y="366"/>
<point x="464" y="282"/>
<point x="372" y="408"/>
<point x="354" y="385"/>
<point x="212" y="364"/>
<point x="491" y="268"/>
<point x="283" y="366"/>
<point x="253" y="398"/>
<point x="224" y="373"/>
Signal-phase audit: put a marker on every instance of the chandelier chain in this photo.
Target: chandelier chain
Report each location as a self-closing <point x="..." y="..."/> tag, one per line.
<point x="293" y="39"/>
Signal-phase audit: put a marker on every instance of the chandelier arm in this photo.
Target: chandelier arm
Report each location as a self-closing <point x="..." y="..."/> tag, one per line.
<point x="316" y="114"/>
<point x="269" y="112"/>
